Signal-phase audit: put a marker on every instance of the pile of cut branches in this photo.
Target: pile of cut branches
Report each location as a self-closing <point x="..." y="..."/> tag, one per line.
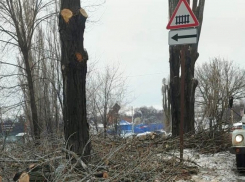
<point x="149" y="158"/>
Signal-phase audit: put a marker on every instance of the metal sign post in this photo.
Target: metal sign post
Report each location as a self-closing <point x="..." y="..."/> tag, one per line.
<point x="182" y="98"/>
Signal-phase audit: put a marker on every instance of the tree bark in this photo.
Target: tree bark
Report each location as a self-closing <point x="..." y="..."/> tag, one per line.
<point x="105" y="119"/>
<point x="190" y="87"/>
<point x="190" y="82"/>
<point x="36" y="127"/>
<point x="167" y="108"/>
<point x="74" y="68"/>
<point x="174" y="62"/>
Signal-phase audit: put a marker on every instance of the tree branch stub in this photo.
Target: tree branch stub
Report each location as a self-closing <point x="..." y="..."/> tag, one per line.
<point x="83" y="12"/>
<point x="79" y="57"/>
<point x="63" y="67"/>
<point x="66" y="14"/>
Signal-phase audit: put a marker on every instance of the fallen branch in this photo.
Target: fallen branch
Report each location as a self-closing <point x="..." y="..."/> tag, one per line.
<point x="19" y="160"/>
<point x="79" y="160"/>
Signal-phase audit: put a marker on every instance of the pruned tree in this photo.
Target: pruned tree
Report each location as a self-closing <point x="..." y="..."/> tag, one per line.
<point x="166" y="102"/>
<point x="218" y="80"/>
<point x="74" y="58"/>
<point x="191" y="55"/>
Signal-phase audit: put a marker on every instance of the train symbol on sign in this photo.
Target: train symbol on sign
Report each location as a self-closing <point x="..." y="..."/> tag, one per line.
<point x="183" y="19"/>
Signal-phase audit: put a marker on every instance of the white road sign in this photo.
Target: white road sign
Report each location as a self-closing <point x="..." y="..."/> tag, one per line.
<point x="182" y="36"/>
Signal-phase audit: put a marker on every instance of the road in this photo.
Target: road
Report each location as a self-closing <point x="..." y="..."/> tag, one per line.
<point x="219" y="167"/>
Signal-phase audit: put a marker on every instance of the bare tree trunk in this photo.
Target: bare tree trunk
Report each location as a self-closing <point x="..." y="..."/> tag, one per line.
<point x="190" y="82"/>
<point x="166" y="107"/>
<point x="36" y="127"/>
<point x="26" y="106"/>
<point x="74" y="68"/>
<point x="105" y="120"/>
<point x="172" y="4"/>
<point x="174" y="61"/>
<point x="190" y="87"/>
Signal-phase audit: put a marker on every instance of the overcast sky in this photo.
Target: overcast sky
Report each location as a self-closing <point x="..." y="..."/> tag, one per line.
<point x="133" y="33"/>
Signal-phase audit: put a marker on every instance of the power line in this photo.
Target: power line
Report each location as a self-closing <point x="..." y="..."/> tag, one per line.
<point x="145" y="74"/>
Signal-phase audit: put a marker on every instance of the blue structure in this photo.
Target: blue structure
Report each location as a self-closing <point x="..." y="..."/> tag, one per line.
<point x="141" y="128"/>
<point x="126" y="127"/>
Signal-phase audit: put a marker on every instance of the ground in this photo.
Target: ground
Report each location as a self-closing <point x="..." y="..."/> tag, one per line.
<point x="219" y="167"/>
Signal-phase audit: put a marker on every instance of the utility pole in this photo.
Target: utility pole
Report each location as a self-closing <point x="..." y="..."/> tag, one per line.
<point x="1" y="119"/>
<point x="133" y="119"/>
<point x="230" y="106"/>
<point x="232" y="116"/>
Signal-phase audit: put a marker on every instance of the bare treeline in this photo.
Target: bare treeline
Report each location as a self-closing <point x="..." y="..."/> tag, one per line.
<point x="31" y="82"/>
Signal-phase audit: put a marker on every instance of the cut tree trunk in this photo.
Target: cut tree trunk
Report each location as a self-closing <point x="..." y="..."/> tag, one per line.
<point x="190" y="86"/>
<point x="166" y="108"/>
<point x="174" y="62"/>
<point x="74" y="68"/>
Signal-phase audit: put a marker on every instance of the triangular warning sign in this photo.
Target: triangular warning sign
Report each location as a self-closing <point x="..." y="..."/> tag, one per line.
<point x="183" y="17"/>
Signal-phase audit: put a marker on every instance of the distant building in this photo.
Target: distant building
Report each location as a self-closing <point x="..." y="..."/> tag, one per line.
<point x="11" y="128"/>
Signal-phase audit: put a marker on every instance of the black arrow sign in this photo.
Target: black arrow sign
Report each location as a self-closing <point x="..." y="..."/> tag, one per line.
<point x="176" y="37"/>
